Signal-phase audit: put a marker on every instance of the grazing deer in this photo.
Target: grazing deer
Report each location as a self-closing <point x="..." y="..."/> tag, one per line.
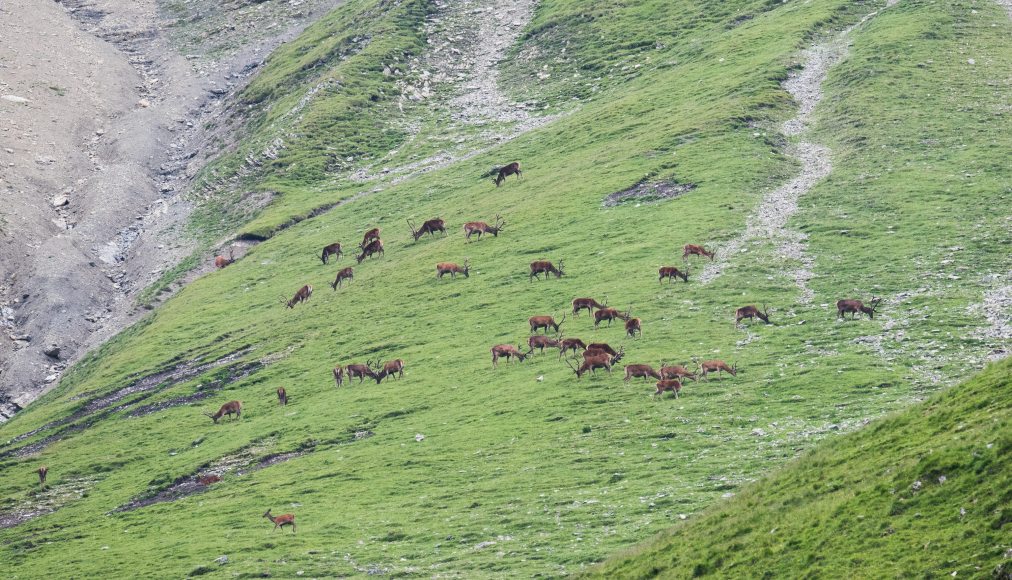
<point x="373" y="234"/>
<point x="693" y="250"/>
<point x="483" y="228"/>
<point x="374" y="247"/>
<point x="546" y="267"/>
<point x="229" y="408"/>
<point x="342" y="275"/>
<point x="361" y="371"/>
<point x="221" y="261"/>
<point x="751" y="312"/>
<point x="540" y="342"/>
<point x="339" y="375"/>
<point x="281" y="521"/>
<point x="504" y="172"/>
<point x="633" y="326"/>
<point x="586" y="303"/>
<point x="429" y="227"/>
<point x="331" y="250"/>
<point x="537" y="322"/>
<point x="855" y="307"/>
<point x="209" y="479"/>
<point x="671" y="272"/>
<point x="391" y="368"/>
<point x="609" y="314"/>
<point x="604" y="347"/>
<point x="593" y="361"/>
<point x="508" y="351"/>
<point x="643" y="371"/>
<point x="42" y="471"/>
<point x="676" y="372"/>
<point x="301" y="296"/>
<point x="570" y="344"/>
<point x="282" y="396"/>
<point x="673" y="385"/>
<point x="718" y="366"/>
<point x="453" y="269"/>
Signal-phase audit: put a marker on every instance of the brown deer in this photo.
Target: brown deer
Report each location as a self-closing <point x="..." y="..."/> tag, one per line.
<point x="282" y="396"/>
<point x="593" y="361"/>
<point x="676" y="372"/>
<point x="281" y="521"/>
<point x="588" y="304"/>
<point x="603" y="346"/>
<point x="373" y="234"/>
<point x="229" y="408"/>
<point x="209" y="479"/>
<point x="751" y="312"/>
<point x="570" y="344"/>
<point x="429" y="227"/>
<point x="361" y="371"/>
<point x="718" y="366"/>
<point x="301" y="296"/>
<point x="671" y="272"/>
<point x="374" y="247"/>
<point x="342" y="275"/>
<point x="546" y="267"/>
<point x="506" y="171"/>
<point x="42" y="471"/>
<point x="221" y="261"/>
<point x="508" y="351"/>
<point x="452" y="269"/>
<point x="609" y="314"/>
<point x="643" y="371"/>
<point x="540" y="342"/>
<point x="391" y="368"/>
<point x="855" y="307"/>
<point x="673" y="385"/>
<point x="483" y="228"/>
<point x="537" y="322"/>
<point x="331" y="250"/>
<point x="339" y="375"/>
<point x="633" y="326"/>
<point x="693" y="250"/>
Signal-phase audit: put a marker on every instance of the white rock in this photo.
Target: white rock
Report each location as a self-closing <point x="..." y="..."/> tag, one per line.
<point x="14" y="99"/>
<point x="419" y="437"/>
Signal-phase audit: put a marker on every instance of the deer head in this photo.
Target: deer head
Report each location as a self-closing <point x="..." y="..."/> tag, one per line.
<point x="467" y="267"/>
<point x="561" y="271"/>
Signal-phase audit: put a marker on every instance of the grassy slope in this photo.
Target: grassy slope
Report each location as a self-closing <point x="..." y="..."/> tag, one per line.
<point x="557" y="473"/>
<point x="925" y="492"/>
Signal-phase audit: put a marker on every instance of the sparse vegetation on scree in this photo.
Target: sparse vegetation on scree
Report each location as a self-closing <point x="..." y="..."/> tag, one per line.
<point x="459" y="469"/>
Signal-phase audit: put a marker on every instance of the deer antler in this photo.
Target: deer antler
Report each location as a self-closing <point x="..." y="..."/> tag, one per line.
<point x="412" y="226"/>
<point x="572" y="367"/>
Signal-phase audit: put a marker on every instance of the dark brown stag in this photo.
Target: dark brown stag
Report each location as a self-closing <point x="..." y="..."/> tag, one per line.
<point x="676" y="372"/>
<point x="483" y="228"/>
<point x="717" y="366"/>
<point x="638" y="371"/>
<point x="588" y="304"/>
<point x="230" y="408"/>
<point x="633" y="326"/>
<point x="222" y="261"/>
<point x="508" y="351"/>
<point x="452" y="269"/>
<point x="751" y="312"/>
<point x="673" y="385"/>
<point x="391" y="368"/>
<point x="301" y="296"/>
<point x="42" y="471"/>
<point x="374" y="247"/>
<point x="538" y="322"/>
<point x="342" y="275"/>
<point x="593" y="360"/>
<point x="331" y="250"/>
<point x="544" y="267"/>
<point x="694" y="250"/>
<point x="671" y="272"/>
<point x="339" y="375"/>
<point x="541" y="341"/>
<point x="604" y="347"/>
<point x="282" y="396"/>
<point x="429" y="227"/>
<point x="361" y="371"/>
<point x="506" y="171"/>
<point x="572" y="344"/>
<point x="373" y="234"/>
<point x="609" y="314"/>
<point x="854" y="307"/>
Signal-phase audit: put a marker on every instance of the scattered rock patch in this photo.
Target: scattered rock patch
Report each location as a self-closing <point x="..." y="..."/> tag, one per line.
<point x="648" y="192"/>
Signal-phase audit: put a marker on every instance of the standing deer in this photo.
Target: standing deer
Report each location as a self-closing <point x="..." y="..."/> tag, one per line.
<point x="301" y="296"/>
<point x="570" y="344"/>
<point x="633" y="326"/>
<point x="609" y="314"/>
<point x="361" y="371"/>
<point x="855" y="307"/>
<point x="643" y="371"/>
<point x="546" y="267"/>
<point x="693" y="250"/>
<point x="673" y="385"/>
<point x="342" y="275"/>
<point x="282" y="396"/>
<point x="391" y="368"/>
<point x="718" y="366"/>
<point x="593" y="360"/>
<point x="540" y="342"/>
<point x="229" y="408"/>
<point x="604" y="347"/>
<point x="42" y="471"/>
<point x="373" y="234"/>
<point x="373" y="247"/>
<point x="483" y="228"/>
<point x="331" y="250"/>
<point x="537" y="322"/>
<point x="453" y="269"/>
<point x="339" y="375"/>
<point x="751" y="312"/>
<point x="676" y="372"/>
<point x="429" y="227"/>
<point x="504" y="172"/>
<point x="671" y="272"/>
<point x="220" y="261"/>
<point x="588" y="304"/>
<point x="508" y="351"/>
<point x="281" y="521"/>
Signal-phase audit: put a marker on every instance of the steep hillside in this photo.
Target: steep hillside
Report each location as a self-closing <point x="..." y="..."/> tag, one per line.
<point x="924" y="493"/>
<point x="645" y="126"/>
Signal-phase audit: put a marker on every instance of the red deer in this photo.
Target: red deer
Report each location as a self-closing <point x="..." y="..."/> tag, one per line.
<point x="751" y="312"/>
<point x="331" y="250"/>
<point x="281" y="521"/>
<point x="221" y="261"/>
<point x="374" y="247"/>
<point x="586" y="303"/>
<point x="676" y="372"/>
<point x="373" y="234"/>
<point x="855" y="307"/>
<point x="391" y="368"/>
<point x="229" y="408"/>
<point x="301" y="296"/>
<point x="209" y="479"/>
<point x="608" y="314"/>
<point x="633" y="326"/>
<point x="603" y="346"/>
<point x="709" y="366"/>
<point x="570" y="344"/>
<point x="643" y="371"/>
<point x="673" y="385"/>
<point x="542" y="266"/>
<point x="42" y="471"/>
<point x="282" y="396"/>
<point x="506" y="171"/>
<point x="430" y="227"/>
<point x="540" y="342"/>
<point x="483" y="228"/>
<point x="593" y="361"/>
<point x="508" y="351"/>
<point x="693" y="250"/>
<point x="537" y="322"/>
<point x="342" y="275"/>
<point x="339" y="375"/>
<point x="453" y="269"/>
<point x="360" y="371"/>
<point x="671" y="272"/>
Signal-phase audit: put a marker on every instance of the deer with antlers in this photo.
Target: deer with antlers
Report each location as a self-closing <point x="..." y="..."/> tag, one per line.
<point x="342" y="275"/>
<point x="373" y="234"/>
<point x="506" y="171"/>
<point x="221" y="261"/>
<point x="610" y="314"/>
<point x="671" y="272"/>
<point x="42" y="471"/>
<point x="676" y="372"/>
<point x="640" y="371"/>
<point x="545" y="322"/>
<point x="281" y="521"/>
<point x="452" y="269"/>
<point x="604" y="347"/>
<point x="540" y="341"/>
<point x="633" y="326"/>
<point x="301" y="296"/>
<point x="331" y="250"/>
<point x="429" y="227"/>
<point x="573" y="344"/>
<point x="717" y="366"/>
<point x="282" y="396"/>
<point x="544" y="267"/>
<point x="230" y="408"/>
<point x="361" y="371"/>
<point x="595" y="359"/>
<point x="390" y="369"/>
<point x="339" y="375"/>
<point x="694" y="250"/>
<point x="508" y="351"/>
<point x="673" y="385"/>
<point x="855" y="307"/>
<point x="588" y="304"/>
<point x="751" y="312"/>
<point x="373" y="247"/>
<point x="483" y="228"/>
